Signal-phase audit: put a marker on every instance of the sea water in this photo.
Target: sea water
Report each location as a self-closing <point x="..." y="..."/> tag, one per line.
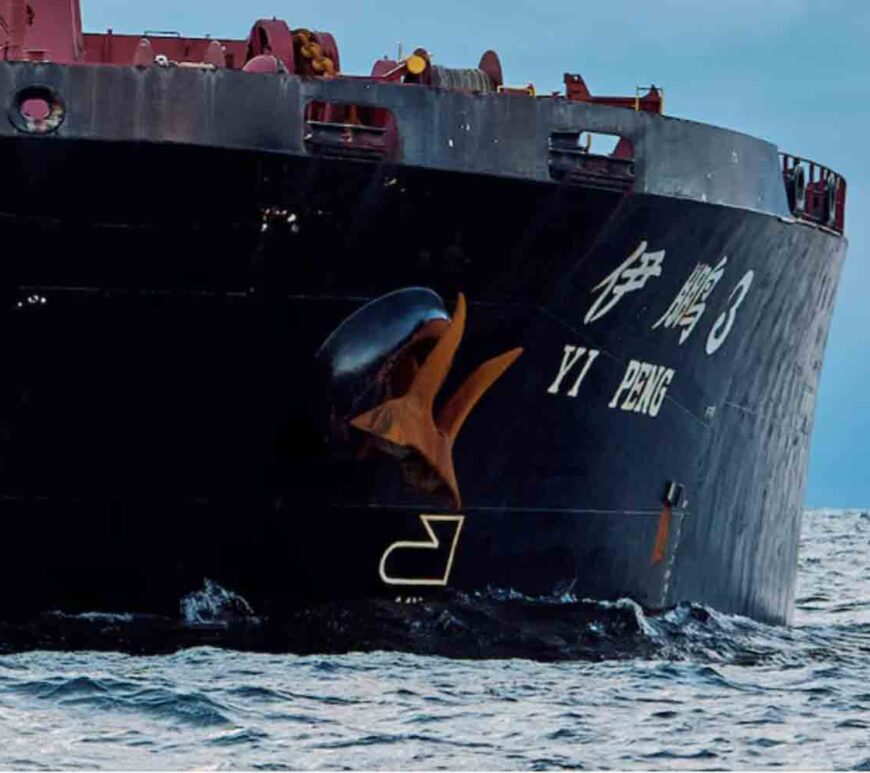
<point x="691" y="688"/>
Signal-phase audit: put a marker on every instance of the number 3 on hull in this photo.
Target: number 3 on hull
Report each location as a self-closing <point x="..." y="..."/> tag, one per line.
<point x="433" y="543"/>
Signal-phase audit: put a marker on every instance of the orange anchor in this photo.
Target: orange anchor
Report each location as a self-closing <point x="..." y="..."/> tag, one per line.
<point x="408" y="424"/>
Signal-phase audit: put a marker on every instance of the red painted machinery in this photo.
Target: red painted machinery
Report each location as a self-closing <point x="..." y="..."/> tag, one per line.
<point x="814" y="192"/>
<point x="51" y="31"/>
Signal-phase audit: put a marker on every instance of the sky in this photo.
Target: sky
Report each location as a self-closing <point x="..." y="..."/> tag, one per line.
<point x="795" y="72"/>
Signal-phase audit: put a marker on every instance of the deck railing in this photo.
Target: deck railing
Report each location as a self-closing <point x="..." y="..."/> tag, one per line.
<point x="815" y="193"/>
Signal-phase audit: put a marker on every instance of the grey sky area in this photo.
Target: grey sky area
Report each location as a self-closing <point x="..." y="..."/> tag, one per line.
<point x="795" y="72"/>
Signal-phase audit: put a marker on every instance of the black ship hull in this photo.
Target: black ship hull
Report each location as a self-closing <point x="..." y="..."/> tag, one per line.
<point x="165" y="416"/>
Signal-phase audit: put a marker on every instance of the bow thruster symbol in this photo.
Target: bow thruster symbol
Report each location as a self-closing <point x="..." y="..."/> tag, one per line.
<point x="408" y="425"/>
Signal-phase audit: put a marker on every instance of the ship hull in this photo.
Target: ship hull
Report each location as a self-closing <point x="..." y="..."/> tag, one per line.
<point x="162" y="407"/>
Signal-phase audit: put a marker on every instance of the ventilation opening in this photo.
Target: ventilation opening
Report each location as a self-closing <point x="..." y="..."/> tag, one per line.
<point x="592" y="159"/>
<point x="357" y="131"/>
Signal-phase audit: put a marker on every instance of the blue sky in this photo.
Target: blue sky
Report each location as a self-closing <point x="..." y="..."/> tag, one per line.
<point x="796" y="72"/>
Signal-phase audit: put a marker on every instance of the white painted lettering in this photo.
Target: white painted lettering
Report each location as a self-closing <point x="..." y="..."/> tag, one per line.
<point x="569" y="359"/>
<point x="691" y="301"/>
<point x="628" y="277"/>
<point x="649" y="390"/>
<point x="646" y="370"/>
<point x="593" y="353"/>
<point x="627" y="382"/>
<point x="661" y="392"/>
<point x="644" y="386"/>
<point x="722" y="327"/>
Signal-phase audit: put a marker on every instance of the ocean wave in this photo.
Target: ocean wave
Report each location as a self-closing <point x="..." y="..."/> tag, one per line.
<point x="500" y="622"/>
<point x="530" y="682"/>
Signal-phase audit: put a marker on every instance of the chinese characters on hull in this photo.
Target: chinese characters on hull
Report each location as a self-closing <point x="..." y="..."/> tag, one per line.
<point x="644" y="385"/>
<point x="725" y="321"/>
<point x="687" y="308"/>
<point x="629" y="277"/>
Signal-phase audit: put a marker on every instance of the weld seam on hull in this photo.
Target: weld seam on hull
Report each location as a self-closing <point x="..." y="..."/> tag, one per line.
<point x="522" y="509"/>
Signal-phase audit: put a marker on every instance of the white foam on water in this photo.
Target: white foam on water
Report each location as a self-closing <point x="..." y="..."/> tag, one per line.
<point x="214" y="605"/>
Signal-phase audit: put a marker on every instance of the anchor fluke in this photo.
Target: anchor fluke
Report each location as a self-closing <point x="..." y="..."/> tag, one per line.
<point x="408" y="424"/>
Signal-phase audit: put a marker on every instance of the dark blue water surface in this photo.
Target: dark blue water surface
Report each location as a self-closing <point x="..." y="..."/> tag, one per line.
<point x="688" y="689"/>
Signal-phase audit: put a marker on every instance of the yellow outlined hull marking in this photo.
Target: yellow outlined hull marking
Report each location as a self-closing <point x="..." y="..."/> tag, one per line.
<point x="433" y="543"/>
